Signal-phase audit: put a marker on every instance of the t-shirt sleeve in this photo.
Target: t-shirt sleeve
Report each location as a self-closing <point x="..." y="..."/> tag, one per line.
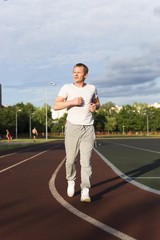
<point x="63" y="92"/>
<point x="96" y="93"/>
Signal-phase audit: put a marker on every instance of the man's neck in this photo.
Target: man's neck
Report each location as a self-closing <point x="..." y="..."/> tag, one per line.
<point x="80" y="85"/>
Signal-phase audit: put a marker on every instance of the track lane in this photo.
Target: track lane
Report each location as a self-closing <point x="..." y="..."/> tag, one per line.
<point x="8" y="160"/>
<point x="80" y="214"/>
<point x="117" y="203"/>
<point x="29" y="211"/>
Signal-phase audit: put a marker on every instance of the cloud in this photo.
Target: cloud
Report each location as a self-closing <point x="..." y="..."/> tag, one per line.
<point x="119" y="41"/>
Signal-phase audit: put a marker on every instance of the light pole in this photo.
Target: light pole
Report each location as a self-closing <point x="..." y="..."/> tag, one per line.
<point x="62" y="130"/>
<point x="53" y="84"/>
<point x="19" y="110"/>
<point x="123" y="129"/>
<point x="147" y="125"/>
<point x="30" y="134"/>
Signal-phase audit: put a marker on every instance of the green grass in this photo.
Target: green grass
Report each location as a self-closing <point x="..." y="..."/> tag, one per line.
<point x="20" y="143"/>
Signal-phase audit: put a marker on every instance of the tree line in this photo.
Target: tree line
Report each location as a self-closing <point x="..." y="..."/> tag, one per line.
<point x="136" y="118"/>
<point x="21" y="118"/>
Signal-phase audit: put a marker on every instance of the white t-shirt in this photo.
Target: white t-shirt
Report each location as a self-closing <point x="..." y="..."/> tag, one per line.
<point x="79" y="114"/>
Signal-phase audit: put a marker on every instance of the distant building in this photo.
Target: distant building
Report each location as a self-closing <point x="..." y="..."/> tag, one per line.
<point x="117" y="108"/>
<point x="58" y="114"/>
<point x="156" y="105"/>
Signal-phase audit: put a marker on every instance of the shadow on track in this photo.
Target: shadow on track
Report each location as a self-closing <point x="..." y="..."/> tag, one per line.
<point x="144" y="169"/>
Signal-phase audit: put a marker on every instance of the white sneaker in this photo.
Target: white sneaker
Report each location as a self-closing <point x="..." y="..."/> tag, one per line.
<point x="71" y="188"/>
<point x="85" y="195"/>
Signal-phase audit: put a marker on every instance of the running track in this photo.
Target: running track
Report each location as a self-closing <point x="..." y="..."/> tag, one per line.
<point x="34" y="205"/>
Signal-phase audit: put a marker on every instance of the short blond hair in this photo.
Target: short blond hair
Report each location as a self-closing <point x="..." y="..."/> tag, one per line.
<point x="86" y="70"/>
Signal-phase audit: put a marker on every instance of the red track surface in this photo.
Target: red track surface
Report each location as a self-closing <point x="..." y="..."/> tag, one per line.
<point x="28" y="210"/>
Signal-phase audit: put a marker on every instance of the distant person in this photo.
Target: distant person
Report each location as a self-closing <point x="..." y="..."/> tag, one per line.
<point x="43" y="134"/>
<point x="81" y="100"/>
<point x="8" y="135"/>
<point x="34" y="133"/>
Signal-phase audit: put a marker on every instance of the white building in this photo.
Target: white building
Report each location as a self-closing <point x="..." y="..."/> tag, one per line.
<point x="156" y="105"/>
<point x="58" y="114"/>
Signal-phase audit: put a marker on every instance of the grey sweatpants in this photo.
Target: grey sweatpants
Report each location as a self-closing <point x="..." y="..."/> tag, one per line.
<point x="79" y="138"/>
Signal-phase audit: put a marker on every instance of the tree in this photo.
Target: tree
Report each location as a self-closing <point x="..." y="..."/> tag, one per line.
<point x="58" y="125"/>
<point x="127" y="119"/>
<point x="99" y="120"/>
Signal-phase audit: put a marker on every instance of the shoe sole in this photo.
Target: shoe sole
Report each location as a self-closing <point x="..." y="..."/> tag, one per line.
<point x="86" y="200"/>
<point x="70" y="195"/>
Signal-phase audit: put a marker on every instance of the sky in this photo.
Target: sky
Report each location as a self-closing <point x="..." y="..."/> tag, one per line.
<point x="41" y="41"/>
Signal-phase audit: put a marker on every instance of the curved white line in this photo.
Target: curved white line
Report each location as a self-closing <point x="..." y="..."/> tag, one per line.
<point x="80" y="214"/>
<point x="125" y="177"/>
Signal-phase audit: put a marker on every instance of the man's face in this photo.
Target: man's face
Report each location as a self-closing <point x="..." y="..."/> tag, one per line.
<point x="78" y="74"/>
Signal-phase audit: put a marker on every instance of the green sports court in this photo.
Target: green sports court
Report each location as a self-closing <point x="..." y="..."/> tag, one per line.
<point x="135" y="159"/>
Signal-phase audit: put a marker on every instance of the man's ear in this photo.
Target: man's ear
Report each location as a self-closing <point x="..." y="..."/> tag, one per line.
<point x="86" y="76"/>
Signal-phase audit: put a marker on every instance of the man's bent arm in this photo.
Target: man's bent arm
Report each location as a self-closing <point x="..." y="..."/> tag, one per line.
<point x="96" y="102"/>
<point x="60" y="103"/>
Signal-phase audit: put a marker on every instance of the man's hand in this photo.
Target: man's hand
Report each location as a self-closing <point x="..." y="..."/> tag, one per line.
<point x="92" y="107"/>
<point x="77" y="101"/>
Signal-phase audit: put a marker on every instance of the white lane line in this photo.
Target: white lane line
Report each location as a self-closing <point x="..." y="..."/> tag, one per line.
<point x="145" y="177"/>
<point x="25" y="160"/>
<point x="22" y="150"/>
<point x="129" y="146"/>
<point x="80" y="214"/>
<point x="10" y="154"/>
<point x="125" y="177"/>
